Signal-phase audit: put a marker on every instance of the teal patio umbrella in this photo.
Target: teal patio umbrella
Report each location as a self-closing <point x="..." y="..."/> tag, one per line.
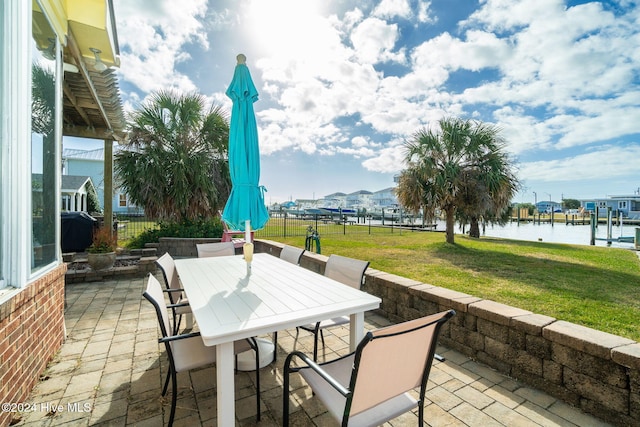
<point x="245" y="209"/>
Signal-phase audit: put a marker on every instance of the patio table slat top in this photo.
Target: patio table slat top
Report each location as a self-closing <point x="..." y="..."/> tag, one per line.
<point x="267" y="299"/>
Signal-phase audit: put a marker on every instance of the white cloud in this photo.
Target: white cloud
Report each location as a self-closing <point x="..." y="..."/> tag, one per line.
<point x="502" y="15"/>
<point x="424" y="13"/>
<point x="392" y="9"/>
<point x="607" y="161"/>
<point x="387" y="160"/>
<point x="523" y="132"/>
<point x="374" y="41"/>
<point x="359" y="141"/>
<point x="152" y="37"/>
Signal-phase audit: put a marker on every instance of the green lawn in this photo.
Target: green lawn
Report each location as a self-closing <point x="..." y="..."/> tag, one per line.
<point x="592" y="286"/>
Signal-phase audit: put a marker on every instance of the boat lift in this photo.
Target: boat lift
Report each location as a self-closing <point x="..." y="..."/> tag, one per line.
<point x="610" y="238"/>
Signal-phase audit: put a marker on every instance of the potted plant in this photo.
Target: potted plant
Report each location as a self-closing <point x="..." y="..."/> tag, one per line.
<point x="102" y="252"/>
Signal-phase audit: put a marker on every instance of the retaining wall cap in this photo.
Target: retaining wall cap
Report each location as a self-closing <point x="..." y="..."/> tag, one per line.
<point x="496" y="312"/>
<point x="271" y="243"/>
<point x="591" y="341"/>
<point x="531" y="323"/>
<point x="373" y="272"/>
<point x="316" y="256"/>
<point x="454" y="299"/>
<point x="627" y="355"/>
<point x="397" y="280"/>
<point x="419" y="288"/>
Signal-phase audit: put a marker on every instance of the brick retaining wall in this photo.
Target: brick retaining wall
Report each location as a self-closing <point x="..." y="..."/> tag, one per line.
<point x="595" y="371"/>
<point x="31" y="332"/>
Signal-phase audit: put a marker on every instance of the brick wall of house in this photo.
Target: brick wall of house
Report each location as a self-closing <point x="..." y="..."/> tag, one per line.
<point x="31" y="332"/>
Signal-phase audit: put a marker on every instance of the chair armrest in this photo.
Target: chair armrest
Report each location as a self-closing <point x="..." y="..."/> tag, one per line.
<point x="317" y="368"/>
<point x="182" y="304"/>
<point x="179" y="337"/>
<point x="173" y="290"/>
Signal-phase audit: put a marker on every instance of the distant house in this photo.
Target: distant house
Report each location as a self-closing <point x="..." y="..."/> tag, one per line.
<point x="75" y="193"/>
<point x="333" y="200"/>
<point x="306" y="203"/>
<point x="548" y="206"/>
<point x="91" y="163"/>
<point x="385" y="198"/>
<point x="627" y="205"/>
<point x="358" y="199"/>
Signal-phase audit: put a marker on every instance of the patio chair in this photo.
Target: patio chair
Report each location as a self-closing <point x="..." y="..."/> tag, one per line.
<point x="187" y="351"/>
<point x="215" y="249"/>
<point x="291" y="254"/>
<point x="346" y="270"/>
<point x="179" y="303"/>
<point x="237" y="237"/>
<point x="375" y="383"/>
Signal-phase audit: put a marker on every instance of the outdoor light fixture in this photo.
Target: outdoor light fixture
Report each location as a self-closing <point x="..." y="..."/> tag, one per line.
<point x="98" y="65"/>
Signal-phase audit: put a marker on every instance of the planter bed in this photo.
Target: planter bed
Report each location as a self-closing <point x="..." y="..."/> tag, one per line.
<point x="136" y="263"/>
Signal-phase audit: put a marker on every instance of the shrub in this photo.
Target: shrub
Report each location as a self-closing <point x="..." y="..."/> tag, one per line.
<point x="103" y="241"/>
<point x="211" y="227"/>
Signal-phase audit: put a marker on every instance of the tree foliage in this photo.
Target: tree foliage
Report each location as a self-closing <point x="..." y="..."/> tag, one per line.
<point x="461" y="169"/>
<point x="570" y="204"/>
<point x="176" y="165"/>
<point x="93" y="202"/>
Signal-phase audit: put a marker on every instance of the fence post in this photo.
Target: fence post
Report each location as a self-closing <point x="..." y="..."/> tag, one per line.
<point x="284" y="231"/>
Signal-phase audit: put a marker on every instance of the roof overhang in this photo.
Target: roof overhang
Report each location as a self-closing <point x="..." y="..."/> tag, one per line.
<point x="92" y="107"/>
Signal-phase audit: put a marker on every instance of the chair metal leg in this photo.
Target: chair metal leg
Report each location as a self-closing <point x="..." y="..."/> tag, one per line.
<point x="166" y="381"/>
<point x="256" y="348"/>
<point x="174" y="397"/>
<point x="285" y="391"/>
<point x="177" y="320"/>
<point x="315" y="342"/>
<point x="257" y="380"/>
<point x="275" y="346"/>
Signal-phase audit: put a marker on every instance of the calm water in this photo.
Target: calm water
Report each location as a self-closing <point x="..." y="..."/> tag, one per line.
<point x="556" y="233"/>
<point x="560" y="233"/>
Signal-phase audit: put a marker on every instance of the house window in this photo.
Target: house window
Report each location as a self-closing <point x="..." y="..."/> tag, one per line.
<point x="622" y="205"/>
<point x="2" y="97"/>
<point x="122" y="200"/>
<point x="44" y="152"/>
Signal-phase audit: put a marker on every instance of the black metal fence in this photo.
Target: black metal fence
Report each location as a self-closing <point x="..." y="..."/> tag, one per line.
<point x="131" y="224"/>
<point x="284" y="224"/>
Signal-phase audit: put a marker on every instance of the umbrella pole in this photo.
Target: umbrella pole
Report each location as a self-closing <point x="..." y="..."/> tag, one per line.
<point x="247" y="248"/>
<point x="247" y="231"/>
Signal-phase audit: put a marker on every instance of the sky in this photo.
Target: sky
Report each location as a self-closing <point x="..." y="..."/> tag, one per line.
<point x="344" y="83"/>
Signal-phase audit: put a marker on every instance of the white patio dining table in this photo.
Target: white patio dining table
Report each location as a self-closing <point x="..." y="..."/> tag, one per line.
<point x="230" y="303"/>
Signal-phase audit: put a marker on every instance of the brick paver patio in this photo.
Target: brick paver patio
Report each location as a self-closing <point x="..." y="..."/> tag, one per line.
<point x="111" y="369"/>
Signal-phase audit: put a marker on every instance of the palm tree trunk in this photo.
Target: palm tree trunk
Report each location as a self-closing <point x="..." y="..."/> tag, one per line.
<point x="450" y="224"/>
<point x="474" y="228"/>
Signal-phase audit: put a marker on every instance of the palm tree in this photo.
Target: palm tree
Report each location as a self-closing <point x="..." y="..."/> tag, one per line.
<point x="461" y="169"/>
<point x="176" y="166"/>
